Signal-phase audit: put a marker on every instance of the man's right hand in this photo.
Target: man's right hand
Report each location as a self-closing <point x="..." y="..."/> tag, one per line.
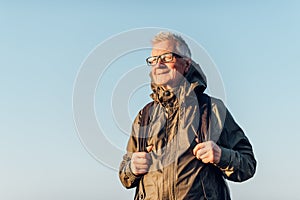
<point x="140" y="162"/>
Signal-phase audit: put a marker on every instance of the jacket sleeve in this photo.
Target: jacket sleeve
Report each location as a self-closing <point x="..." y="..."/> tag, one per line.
<point x="237" y="158"/>
<point x="128" y="179"/>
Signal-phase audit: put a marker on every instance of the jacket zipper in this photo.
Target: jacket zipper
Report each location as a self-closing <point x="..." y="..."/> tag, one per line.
<point x="171" y="171"/>
<point x="166" y="139"/>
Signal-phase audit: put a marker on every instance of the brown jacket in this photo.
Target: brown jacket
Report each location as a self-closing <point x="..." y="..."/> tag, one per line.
<point x="171" y="123"/>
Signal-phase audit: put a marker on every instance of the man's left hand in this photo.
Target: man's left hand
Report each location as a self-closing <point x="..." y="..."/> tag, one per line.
<point x="208" y="152"/>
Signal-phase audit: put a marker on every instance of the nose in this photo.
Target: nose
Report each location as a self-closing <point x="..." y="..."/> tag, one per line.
<point x="159" y="63"/>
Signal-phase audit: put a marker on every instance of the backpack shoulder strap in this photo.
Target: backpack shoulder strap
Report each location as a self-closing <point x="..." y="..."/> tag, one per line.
<point x="144" y="119"/>
<point x="204" y="102"/>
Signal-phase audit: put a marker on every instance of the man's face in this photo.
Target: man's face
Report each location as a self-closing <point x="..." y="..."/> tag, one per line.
<point x="170" y="73"/>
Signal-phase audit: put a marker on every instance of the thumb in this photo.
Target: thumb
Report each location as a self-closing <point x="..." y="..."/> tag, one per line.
<point x="149" y="148"/>
<point x="197" y="140"/>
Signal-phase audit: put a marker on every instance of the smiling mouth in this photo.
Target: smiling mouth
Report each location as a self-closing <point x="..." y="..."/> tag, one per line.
<point x="161" y="72"/>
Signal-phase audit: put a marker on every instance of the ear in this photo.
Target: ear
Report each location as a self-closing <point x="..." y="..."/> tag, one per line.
<point x="187" y="65"/>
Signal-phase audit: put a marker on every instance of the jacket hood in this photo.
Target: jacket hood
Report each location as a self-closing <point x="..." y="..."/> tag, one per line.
<point x="196" y="75"/>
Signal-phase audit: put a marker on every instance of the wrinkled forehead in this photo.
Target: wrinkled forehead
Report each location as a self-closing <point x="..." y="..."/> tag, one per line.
<point x="163" y="47"/>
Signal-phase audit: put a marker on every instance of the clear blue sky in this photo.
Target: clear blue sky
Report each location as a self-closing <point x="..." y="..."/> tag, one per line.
<point x="254" y="44"/>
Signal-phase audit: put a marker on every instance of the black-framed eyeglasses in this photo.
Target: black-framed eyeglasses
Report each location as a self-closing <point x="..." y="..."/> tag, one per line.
<point x="164" y="58"/>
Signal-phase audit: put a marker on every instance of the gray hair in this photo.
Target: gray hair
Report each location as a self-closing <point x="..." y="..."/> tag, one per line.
<point x="180" y="45"/>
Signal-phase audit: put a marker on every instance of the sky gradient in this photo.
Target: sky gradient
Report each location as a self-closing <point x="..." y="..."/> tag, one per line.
<point x="255" y="46"/>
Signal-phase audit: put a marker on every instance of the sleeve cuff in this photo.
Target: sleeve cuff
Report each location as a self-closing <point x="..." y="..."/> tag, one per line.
<point x="225" y="159"/>
<point x="130" y="175"/>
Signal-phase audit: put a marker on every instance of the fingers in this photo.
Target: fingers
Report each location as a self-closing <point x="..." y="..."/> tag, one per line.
<point x="201" y="151"/>
<point x="149" y="148"/>
<point x="140" y="162"/>
<point x="198" y="147"/>
<point x="206" y="157"/>
<point x="141" y="158"/>
<point x="207" y="152"/>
